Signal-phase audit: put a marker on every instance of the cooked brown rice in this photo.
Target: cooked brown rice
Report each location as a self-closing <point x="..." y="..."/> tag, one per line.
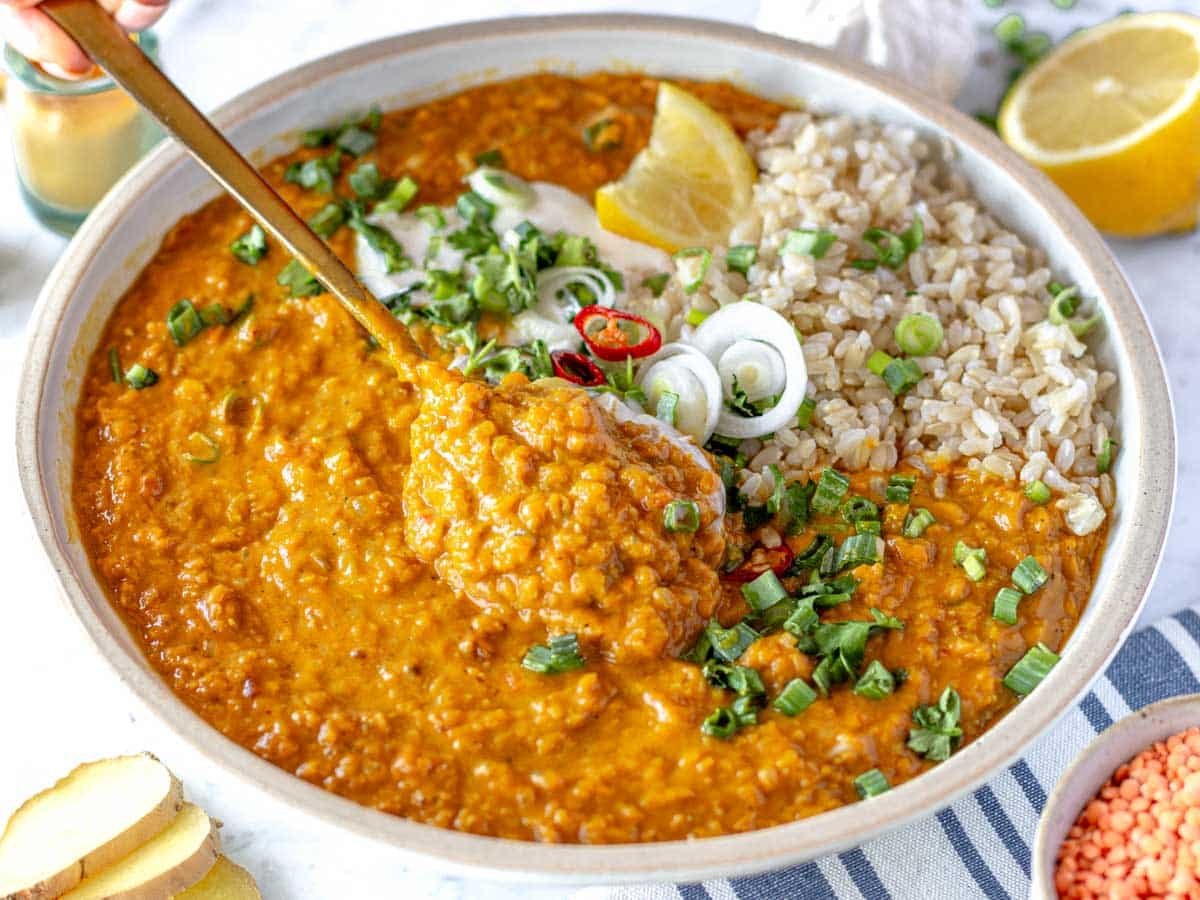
<point x="1009" y="392"/>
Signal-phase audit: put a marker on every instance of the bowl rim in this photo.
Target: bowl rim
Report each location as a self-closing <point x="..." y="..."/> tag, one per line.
<point x="1140" y="729"/>
<point x="1150" y="500"/>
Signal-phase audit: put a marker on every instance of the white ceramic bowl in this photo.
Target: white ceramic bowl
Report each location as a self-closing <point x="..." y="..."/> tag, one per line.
<point x="119" y="238"/>
<point x="1092" y="769"/>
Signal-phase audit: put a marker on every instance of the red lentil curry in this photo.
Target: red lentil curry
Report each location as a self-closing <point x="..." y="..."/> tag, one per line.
<point x="247" y="511"/>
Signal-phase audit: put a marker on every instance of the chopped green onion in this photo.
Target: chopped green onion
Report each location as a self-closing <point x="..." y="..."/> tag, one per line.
<point x="355" y="141"/>
<point x="900" y="488"/>
<point x="972" y="559"/>
<point x="745" y="710"/>
<point x="657" y="283"/>
<point x="559" y="654"/>
<point x="937" y="732"/>
<point x="916" y="522"/>
<point x="730" y="643"/>
<point x="811" y="557"/>
<point x="1104" y="458"/>
<point x="1031" y="669"/>
<point x="210" y="452"/>
<point x="919" y="334"/>
<point x="668" y="401"/>
<point x="876" y="682"/>
<point x="596" y="135"/>
<point x="825" y="594"/>
<point x="891" y="249"/>
<point x="696" y="316"/>
<point x="138" y="377"/>
<point x="114" y="365"/>
<point x="740" y="257"/>
<point x="795" y="698"/>
<point x="367" y="183"/>
<point x="215" y="314"/>
<point x="251" y="246"/>
<point x="859" y="550"/>
<point x="804" y="415"/>
<point x="1038" y="492"/>
<point x="742" y="680"/>
<point x="327" y="219"/>
<point x="778" y="491"/>
<point x="184" y="322"/>
<point x="868" y="526"/>
<point x="491" y="157"/>
<point x="831" y="488"/>
<point x="695" y="272"/>
<point x="764" y="591"/>
<point x="898" y="374"/>
<point x="871" y="783"/>
<point x="808" y="242"/>
<point x="720" y="723"/>
<point x="315" y="174"/>
<point x="298" y="280"/>
<point x="1004" y="607"/>
<point x="1009" y="29"/>
<point x="474" y="208"/>
<point x="400" y="196"/>
<point x="323" y="137"/>
<point x="856" y="509"/>
<point x="803" y="619"/>
<point x="1063" y="307"/>
<point x="681" y="515"/>
<point x="428" y="213"/>
<point x="1029" y="575"/>
<point x="878" y="362"/>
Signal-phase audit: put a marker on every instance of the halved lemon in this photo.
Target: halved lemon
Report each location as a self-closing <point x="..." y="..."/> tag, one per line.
<point x="689" y="185"/>
<point x="1112" y="115"/>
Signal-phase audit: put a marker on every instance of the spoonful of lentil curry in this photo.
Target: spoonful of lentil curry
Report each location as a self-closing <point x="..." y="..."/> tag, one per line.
<point x="523" y="496"/>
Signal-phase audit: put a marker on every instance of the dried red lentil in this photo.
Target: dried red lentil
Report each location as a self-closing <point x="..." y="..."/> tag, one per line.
<point x="1140" y="836"/>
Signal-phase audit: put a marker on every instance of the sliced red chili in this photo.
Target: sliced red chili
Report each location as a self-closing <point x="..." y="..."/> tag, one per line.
<point x="576" y="368"/>
<point x="758" y="560"/>
<point x="620" y="334"/>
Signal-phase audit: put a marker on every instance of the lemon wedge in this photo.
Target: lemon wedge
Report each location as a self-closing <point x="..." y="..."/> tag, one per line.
<point x="688" y="186"/>
<point x="1112" y="115"/>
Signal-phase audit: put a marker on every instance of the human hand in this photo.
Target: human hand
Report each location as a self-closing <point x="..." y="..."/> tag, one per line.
<point x="31" y="33"/>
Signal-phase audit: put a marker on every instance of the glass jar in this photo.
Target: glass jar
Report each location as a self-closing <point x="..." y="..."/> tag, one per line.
<point x="72" y="140"/>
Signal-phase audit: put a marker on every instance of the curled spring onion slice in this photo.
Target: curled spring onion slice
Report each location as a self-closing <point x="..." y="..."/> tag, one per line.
<point x="501" y="188"/>
<point x="757" y="367"/>
<point x="684" y="370"/>
<point x="558" y="303"/>
<point x="752" y="322"/>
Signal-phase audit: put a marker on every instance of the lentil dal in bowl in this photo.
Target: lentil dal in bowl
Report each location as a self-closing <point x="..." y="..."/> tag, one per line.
<point x="907" y="551"/>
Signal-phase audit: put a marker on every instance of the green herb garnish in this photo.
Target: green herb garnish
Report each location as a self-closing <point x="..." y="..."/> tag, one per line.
<point x="559" y="654"/>
<point x="936" y="732"/>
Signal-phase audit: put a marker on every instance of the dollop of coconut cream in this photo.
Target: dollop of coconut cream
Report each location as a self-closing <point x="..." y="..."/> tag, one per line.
<point x="552" y="210"/>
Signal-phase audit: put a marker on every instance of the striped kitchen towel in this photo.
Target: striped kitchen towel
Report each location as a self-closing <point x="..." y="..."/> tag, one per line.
<point x="979" y="846"/>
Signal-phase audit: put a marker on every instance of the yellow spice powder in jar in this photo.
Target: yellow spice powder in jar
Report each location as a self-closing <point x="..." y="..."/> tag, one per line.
<point x="71" y="140"/>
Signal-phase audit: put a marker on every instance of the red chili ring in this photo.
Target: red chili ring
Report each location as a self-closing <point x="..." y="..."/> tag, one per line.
<point x="576" y="368"/>
<point x="759" y="560"/>
<point x="611" y="343"/>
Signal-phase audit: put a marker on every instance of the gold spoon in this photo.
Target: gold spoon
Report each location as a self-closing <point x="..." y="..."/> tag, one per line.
<point x="110" y="47"/>
<point x="523" y="496"/>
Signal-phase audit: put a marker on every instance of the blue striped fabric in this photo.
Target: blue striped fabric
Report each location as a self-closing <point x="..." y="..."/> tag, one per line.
<point x="979" y="846"/>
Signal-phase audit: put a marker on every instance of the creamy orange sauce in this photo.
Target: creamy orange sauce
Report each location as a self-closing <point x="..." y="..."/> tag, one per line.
<point x="278" y="592"/>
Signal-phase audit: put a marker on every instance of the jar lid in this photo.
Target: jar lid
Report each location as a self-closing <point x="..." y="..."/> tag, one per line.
<point x="34" y="78"/>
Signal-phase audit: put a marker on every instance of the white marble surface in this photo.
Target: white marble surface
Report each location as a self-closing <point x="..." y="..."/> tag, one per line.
<point x="60" y="703"/>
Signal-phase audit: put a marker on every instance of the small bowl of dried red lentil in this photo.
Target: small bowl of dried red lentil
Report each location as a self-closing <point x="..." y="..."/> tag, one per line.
<point x="1124" y="819"/>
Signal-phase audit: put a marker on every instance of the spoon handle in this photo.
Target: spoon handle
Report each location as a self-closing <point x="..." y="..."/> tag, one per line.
<point x="105" y="42"/>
